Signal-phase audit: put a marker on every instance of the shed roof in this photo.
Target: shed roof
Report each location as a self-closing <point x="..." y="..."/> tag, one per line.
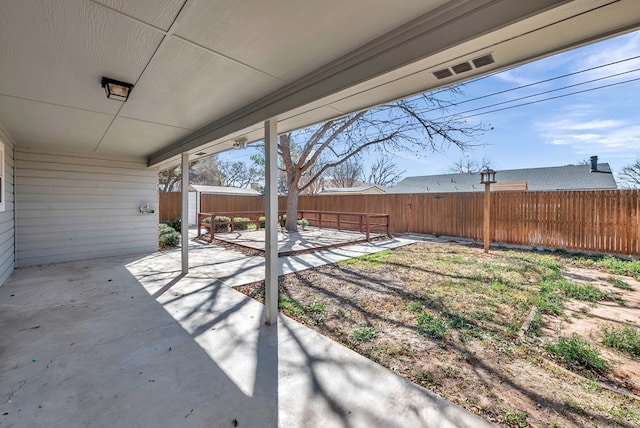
<point x="223" y="190"/>
<point x="569" y="177"/>
<point x="365" y="188"/>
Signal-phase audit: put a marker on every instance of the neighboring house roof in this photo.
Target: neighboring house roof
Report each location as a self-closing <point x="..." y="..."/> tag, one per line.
<point x="367" y="188"/>
<point x="222" y="190"/>
<point x="570" y="177"/>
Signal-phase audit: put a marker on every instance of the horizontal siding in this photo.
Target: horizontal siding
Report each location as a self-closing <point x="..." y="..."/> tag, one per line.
<point x="73" y="207"/>
<point x="61" y="258"/>
<point x="89" y="182"/>
<point x="7" y="217"/>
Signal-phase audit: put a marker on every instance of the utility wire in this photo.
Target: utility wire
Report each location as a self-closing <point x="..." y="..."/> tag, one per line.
<point x="550" y="98"/>
<point x="550" y="91"/>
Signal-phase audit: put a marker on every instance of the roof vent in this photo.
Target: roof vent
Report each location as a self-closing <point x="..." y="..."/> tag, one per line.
<point x="461" y="68"/>
<point x="442" y="74"/>
<point x="464" y="67"/>
<point x="483" y="60"/>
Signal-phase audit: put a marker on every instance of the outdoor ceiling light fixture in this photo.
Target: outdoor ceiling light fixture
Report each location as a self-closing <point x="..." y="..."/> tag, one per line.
<point x="240" y="143"/>
<point x="116" y="90"/>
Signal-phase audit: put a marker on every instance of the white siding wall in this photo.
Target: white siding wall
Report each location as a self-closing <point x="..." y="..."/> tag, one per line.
<point x="75" y="207"/>
<point x="7" y="224"/>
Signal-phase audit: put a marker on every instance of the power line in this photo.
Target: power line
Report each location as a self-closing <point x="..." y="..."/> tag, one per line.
<point x="552" y="98"/>
<point x="549" y="91"/>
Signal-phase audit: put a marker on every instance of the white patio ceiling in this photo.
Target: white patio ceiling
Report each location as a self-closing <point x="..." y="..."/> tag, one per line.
<point x="207" y="72"/>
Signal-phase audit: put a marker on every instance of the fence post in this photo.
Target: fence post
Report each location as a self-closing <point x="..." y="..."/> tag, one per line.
<point x="212" y="227"/>
<point x="368" y="231"/>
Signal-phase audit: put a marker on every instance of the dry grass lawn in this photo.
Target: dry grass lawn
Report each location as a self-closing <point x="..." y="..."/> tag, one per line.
<point x="450" y="318"/>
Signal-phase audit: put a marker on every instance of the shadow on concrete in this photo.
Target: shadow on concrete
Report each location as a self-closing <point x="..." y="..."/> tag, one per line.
<point x="106" y="354"/>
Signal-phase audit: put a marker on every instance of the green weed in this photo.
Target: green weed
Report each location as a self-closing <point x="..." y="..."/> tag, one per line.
<point x="548" y="302"/>
<point x="364" y="334"/>
<point x="548" y="262"/>
<point x="458" y="259"/>
<point x="481" y="315"/>
<point x="577" y="353"/>
<point x="618" y="283"/>
<point x="451" y="371"/>
<point x="611" y="264"/>
<point x="317" y="307"/>
<point x="431" y="326"/>
<point x="590" y="385"/>
<point x="415" y="307"/>
<point x="570" y="404"/>
<point x="291" y="307"/>
<point x="515" y="419"/>
<point x="619" y="412"/>
<point x="586" y="293"/>
<point x="459" y="321"/>
<point x="424" y="377"/>
<point x="374" y="259"/>
<point x="625" y="339"/>
<point x="499" y="284"/>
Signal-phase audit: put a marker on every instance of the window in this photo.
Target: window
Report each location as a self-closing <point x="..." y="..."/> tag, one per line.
<point x="2" y="180"/>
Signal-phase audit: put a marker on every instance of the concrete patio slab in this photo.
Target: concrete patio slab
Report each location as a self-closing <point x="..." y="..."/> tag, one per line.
<point x="129" y="341"/>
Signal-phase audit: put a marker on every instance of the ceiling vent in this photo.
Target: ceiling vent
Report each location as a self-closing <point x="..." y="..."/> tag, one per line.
<point x="461" y="68"/>
<point x="442" y="74"/>
<point x="200" y="154"/>
<point x="464" y="67"/>
<point x="483" y="60"/>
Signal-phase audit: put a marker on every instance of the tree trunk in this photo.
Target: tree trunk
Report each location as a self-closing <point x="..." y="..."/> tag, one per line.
<point x="292" y="210"/>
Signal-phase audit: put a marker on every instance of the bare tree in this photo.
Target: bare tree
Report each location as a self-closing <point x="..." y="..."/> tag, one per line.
<point x="629" y="176"/>
<point x="170" y="178"/>
<point x="347" y="174"/>
<point x="384" y="172"/>
<point x="467" y="165"/>
<point x="206" y="171"/>
<point x="237" y="174"/>
<point x="314" y="183"/>
<point x="401" y="126"/>
<point x="210" y="170"/>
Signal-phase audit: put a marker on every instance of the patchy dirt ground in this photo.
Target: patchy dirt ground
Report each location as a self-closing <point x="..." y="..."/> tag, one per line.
<point x="449" y="318"/>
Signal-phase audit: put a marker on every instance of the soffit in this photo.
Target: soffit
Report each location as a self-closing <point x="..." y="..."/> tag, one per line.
<point x="193" y="62"/>
<point x="557" y="29"/>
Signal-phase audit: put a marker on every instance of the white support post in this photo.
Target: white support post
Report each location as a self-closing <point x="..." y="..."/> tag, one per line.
<point x="271" y="221"/>
<point x="185" y="213"/>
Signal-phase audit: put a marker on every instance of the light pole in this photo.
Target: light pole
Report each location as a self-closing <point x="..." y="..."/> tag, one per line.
<point x="487" y="176"/>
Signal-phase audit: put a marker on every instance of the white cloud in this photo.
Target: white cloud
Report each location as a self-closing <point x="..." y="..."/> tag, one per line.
<point x="611" y="137"/>
<point x="517" y="76"/>
<point x="571" y="125"/>
<point x="613" y="50"/>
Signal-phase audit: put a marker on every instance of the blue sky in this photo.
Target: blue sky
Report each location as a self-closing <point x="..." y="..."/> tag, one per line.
<point x="603" y="122"/>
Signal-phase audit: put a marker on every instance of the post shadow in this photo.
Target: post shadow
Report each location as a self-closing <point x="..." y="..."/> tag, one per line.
<point x="265" y="389"/>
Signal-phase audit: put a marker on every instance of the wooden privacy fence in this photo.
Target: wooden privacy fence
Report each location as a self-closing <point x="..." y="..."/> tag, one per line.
<point x="600" y="221"/>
